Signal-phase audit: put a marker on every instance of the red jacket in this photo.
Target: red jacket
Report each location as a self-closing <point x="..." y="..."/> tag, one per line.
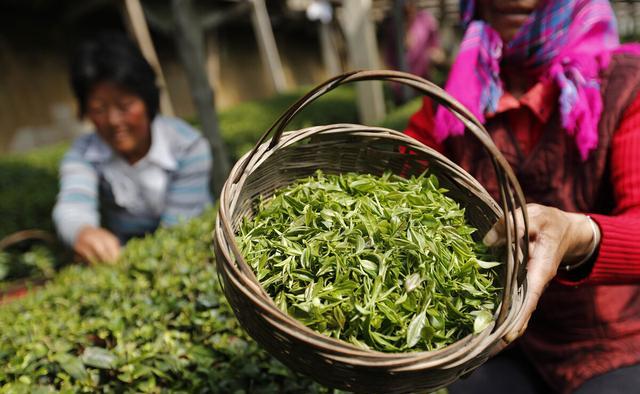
<point x="587" y="327"/>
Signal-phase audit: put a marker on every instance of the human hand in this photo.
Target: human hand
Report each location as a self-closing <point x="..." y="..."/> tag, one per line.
<point x="555" y="237"/>
<point x="96" y="244"/>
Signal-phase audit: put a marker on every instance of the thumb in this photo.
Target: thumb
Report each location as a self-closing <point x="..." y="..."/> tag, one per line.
<point x="535" y="288"/>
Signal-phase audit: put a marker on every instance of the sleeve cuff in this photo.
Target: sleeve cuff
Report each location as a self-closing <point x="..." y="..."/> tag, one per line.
<point x="615" y="259"/>
<point x="68" y="228"/>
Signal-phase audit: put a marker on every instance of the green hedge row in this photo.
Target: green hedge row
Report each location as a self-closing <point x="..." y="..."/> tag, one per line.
<point x="28" y="188"/>
<point x="244" y="123"/>
<point x="398" y="118"/>
<point x="157" y="321"/>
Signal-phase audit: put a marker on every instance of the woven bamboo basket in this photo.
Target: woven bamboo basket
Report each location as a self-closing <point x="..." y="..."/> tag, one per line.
<point x="340" y="148"/>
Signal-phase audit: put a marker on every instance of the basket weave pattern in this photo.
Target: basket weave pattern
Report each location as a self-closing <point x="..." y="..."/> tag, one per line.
<point x="342" y="148"/>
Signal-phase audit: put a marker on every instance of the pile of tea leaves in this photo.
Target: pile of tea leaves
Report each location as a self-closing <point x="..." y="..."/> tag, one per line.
<point x="385" y="263"/>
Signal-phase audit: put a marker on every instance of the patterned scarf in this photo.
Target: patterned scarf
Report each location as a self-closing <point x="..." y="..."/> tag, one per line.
<point x="565" y="41"/>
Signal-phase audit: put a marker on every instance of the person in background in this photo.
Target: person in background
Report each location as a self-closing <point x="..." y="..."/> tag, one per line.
<point x="138" y="170"/>
<point x="560" y="98"/>
<point x="422" y="49"/>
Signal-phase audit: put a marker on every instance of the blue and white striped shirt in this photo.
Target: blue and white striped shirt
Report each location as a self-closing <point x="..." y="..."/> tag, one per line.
<point x="100" y="188"/>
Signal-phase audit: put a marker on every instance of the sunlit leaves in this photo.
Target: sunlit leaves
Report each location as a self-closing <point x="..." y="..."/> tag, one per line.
<point x="483" y="320"/>
<point x="415" y="328"/>
<point x="99" y="357"/>
<point x="382" y="262"/>
<point x="156" y="322"/>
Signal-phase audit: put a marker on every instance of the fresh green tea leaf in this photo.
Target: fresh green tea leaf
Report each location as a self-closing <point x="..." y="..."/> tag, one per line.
<point x="482" y="321"/>
<point x="414" y="333"/>
<point x="99" y="358"/>
<point x="366" y="259"/>
<point x="487" y="264"/>
<point x="72" y="365"/>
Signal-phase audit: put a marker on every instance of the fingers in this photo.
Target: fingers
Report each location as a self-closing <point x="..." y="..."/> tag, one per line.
<point x="522" y="322"/>
<point x="496" y="236"/>
<point x="96" y="245"/>
<point x="112" y="249"/>
<point x="502" y="344"/>
<point x="534" y="292"/>
<point x="106" y="249"/>
<point x="541" y="269"/>
<point x="86" y="254"/>
<point x="551" y="235"/>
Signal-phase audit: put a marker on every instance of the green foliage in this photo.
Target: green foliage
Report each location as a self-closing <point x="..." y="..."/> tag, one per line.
<point x="399" y="117"/>
<point x="630" y="38"/>
<point x="28" y="188"/>
<point x="38" y="261"/>
<point x="243" y="124"/>
<point x="157" y="321"/>
<point x="382" y="262"/>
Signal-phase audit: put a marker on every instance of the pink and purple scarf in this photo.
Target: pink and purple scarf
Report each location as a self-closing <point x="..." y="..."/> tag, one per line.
<point x="566" y="41"/>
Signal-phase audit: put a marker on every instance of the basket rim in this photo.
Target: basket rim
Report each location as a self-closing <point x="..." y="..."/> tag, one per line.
<point x="238" y="273"/>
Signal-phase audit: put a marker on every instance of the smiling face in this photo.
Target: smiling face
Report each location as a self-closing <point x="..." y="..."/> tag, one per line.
<point x="121" y="120"/>
<point x="506" y="16"/>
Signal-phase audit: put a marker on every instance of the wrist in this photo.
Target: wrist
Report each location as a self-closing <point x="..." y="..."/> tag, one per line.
<point x="83" y="230"/>
<point x="585" y="234"/>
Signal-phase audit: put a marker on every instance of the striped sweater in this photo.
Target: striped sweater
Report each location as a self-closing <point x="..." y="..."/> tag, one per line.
<point x="99" y="188"/>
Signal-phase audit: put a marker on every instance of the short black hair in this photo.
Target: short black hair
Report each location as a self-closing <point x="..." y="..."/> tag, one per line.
<point x="113" y="57"/>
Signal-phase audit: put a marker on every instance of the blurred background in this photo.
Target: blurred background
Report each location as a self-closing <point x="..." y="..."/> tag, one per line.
<point x="247" y="57"/>
<point x="242" y="61"/>
<point x="237" y="64"/>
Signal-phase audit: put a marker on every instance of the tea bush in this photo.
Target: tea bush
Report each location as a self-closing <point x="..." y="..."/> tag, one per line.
<point x="157" y="321"/>
<point x="398" y="118"/>
<point x="28" y="188"/>
<point x="243" y="124"/>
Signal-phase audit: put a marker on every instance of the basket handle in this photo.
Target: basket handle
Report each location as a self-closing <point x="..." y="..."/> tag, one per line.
<point x="24" y="235"/>
<point x="420" y="84"/>
<point x="511" y="193"/>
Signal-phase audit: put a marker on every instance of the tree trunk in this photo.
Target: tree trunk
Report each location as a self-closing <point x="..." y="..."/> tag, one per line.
<point x="400" y="33"/>
<point x="267" y="44"/>
<point x="354" y="17"/>
<point x="189" y="42"/>
<point x="442" y="16"/>
<point x="137" y="26"/>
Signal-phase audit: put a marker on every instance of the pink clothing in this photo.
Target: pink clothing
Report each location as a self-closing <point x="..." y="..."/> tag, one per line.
<point x="568" y="42"/>
<point x="421" y="37"/>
